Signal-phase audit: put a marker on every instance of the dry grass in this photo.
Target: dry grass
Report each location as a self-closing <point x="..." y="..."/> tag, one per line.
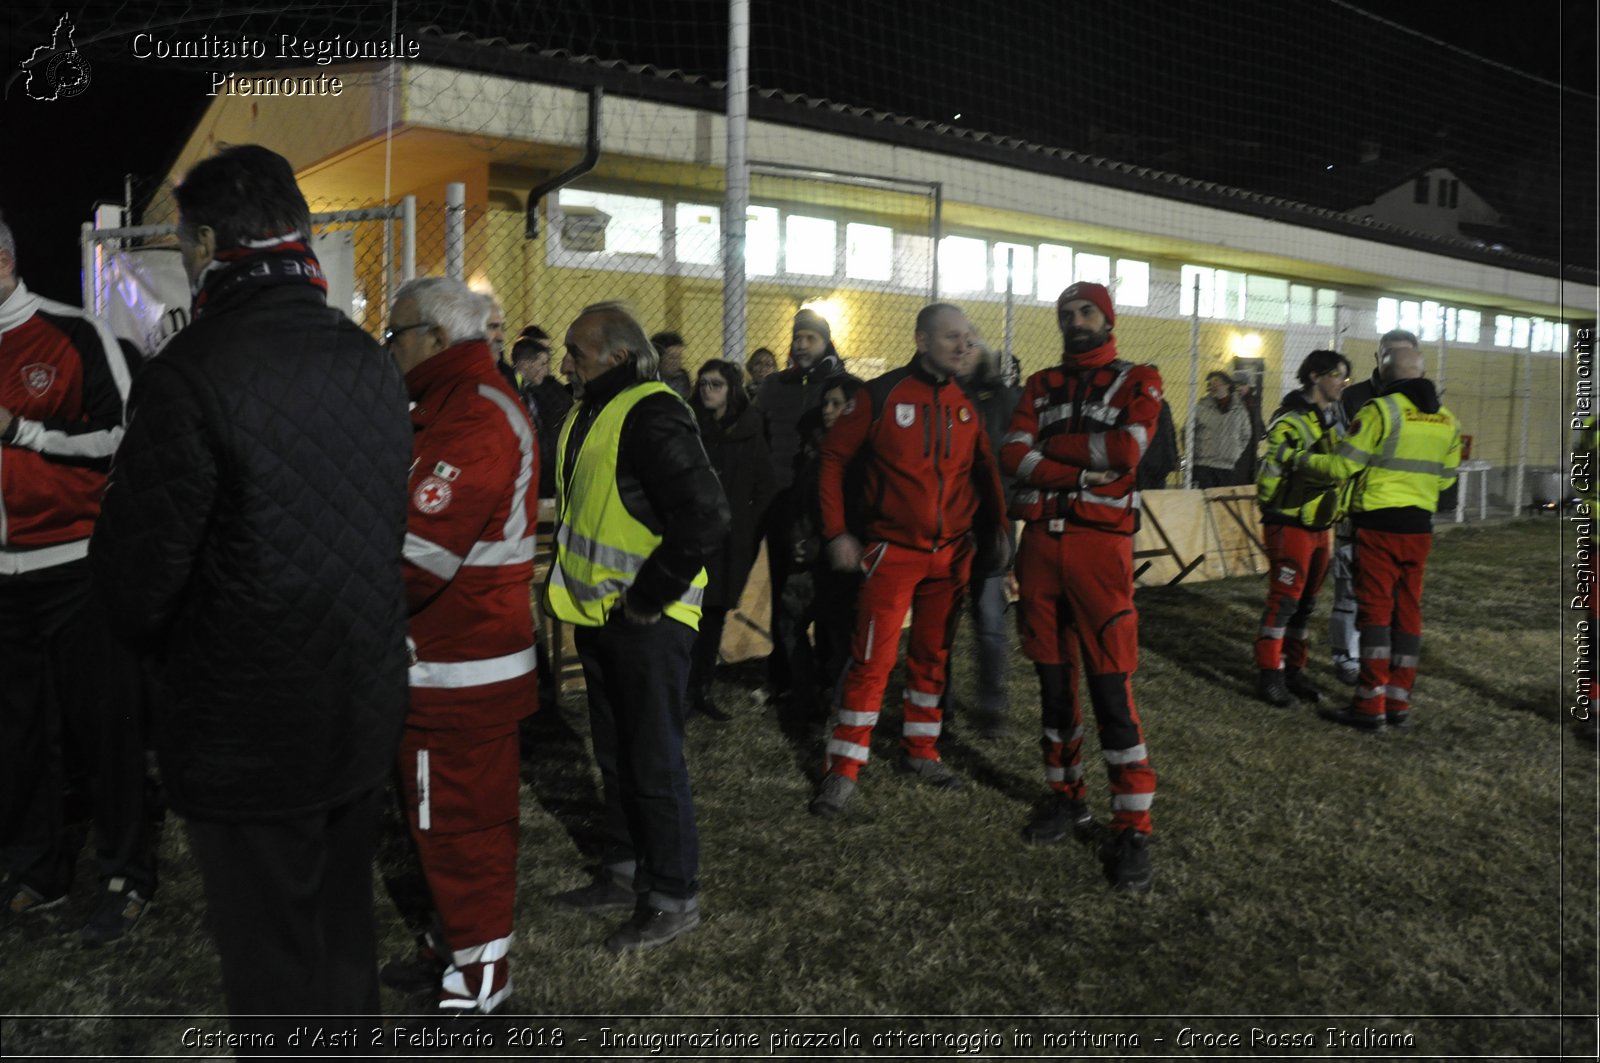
<point x="1303" y="870"/>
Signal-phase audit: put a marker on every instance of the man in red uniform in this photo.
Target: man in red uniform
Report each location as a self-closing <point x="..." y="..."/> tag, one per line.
<point x="468" y="562"/>
<point x="1074" y="444"/>
<point x="930" y="480"/>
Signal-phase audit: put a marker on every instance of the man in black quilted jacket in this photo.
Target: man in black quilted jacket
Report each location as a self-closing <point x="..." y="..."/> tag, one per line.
<point x="249" y="544"/>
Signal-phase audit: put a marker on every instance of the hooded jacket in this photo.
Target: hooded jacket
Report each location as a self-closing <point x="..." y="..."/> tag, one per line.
<point x="1404" y="448"/>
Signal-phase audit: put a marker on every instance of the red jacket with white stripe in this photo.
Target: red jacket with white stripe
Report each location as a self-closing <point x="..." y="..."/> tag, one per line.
<point x="64" y="380"/>
<point x="929" y="474"/>
<point x="470" y="526"/>
<point x="1092" y="413"/>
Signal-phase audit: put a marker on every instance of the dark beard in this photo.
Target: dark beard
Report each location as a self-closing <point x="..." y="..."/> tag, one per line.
<point x="1082" y="340"/>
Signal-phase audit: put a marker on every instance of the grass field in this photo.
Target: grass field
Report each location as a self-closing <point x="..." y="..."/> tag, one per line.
<point x="1438" y="882"/>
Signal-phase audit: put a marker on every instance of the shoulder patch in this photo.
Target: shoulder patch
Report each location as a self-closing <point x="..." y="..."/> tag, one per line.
<point x="445" y="471"/>
<point x="431" y="495"/>
<point x="905" y="414"/>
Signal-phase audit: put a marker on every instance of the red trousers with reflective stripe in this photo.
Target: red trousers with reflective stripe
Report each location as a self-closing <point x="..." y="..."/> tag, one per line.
<point x="897" y="578"/>
<point x="1076" y="611"/>
<point x="461" y="796"/>
<point x="1299" y="563"/>
<point x="1389" y="569"/>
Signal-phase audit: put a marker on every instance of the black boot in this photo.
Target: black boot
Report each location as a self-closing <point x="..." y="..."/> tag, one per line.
<point x="1270" y="686"/>
<point x="1300" y="686"/>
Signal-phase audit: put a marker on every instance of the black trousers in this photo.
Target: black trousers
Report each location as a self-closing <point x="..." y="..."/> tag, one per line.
<point x="637" y="677"/>
<point x="72" y="736"/>
<point x="290" y="907"/>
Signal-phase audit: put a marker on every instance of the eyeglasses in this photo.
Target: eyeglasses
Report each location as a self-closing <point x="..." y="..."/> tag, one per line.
<point x="714" y="385"/>
<point x="1337" y="376"/>
<point x="391" y="334"/>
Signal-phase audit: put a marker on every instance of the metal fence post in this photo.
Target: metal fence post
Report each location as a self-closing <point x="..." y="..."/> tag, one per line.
<point x="736" y="195"/>
<point x="455" y="230"/>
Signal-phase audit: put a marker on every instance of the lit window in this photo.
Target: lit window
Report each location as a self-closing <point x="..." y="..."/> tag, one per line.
<point x="1300" y="311"/>
<point x="1410" y="315"/>
<point x="1133" y="282"/>
<point x="761" y="241"/>
<point x="963" y="264"/>
<point x="1055" y="271"/>
<point x="1519" y="333"/>
<point x="1559" y="338"/>
<point x="1196" y="281"/>
<point x="1469" y="324"/>
<point x="1430" y="321"/>
<point x="913" y="260"/>
<point x="868" y="252"/>
<point x="1093" y="268"/>
<point x="1327" y="306"/>
<point x="1542" y="335"/>
<point x="810" y="245"/>
<point x="1450" y="323"/>
<point x="1230" y="294"/>
<point x="1502" y="330"/>
<point x="1021" y="258"/>
<point x="1388" y="315"/>
<point x="698" y="234"/>
<point x="1266" y="300"/>
<point x="631" y="226"/>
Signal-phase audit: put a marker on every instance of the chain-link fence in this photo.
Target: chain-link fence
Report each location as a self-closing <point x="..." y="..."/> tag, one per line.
<point x="133" y="276"/>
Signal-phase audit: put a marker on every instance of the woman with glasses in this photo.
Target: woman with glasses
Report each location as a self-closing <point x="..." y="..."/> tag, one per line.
<point x="735" y="439"/>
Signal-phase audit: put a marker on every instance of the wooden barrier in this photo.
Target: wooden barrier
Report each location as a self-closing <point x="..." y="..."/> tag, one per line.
<point x="1183" y="535"/>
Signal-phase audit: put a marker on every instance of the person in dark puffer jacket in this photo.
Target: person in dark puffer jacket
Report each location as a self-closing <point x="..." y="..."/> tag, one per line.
<point x="249" y="543"/>
<point x="785" y="398"/>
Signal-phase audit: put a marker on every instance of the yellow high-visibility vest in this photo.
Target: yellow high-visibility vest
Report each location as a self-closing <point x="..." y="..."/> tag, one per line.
<point x="1405" y="457"/>
<point x="600" y="546"/>
<point x="1309" y="497"/>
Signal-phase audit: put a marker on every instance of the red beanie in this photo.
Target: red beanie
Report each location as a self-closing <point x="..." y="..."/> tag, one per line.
<point x="1094" y="293"/>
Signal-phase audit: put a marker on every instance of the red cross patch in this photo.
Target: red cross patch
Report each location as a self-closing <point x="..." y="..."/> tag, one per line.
<point x="431" y="495"/>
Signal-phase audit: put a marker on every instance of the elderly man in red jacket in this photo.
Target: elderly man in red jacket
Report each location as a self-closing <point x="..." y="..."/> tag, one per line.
<point x="930" y="481"/>
<point x="468" y="562"/>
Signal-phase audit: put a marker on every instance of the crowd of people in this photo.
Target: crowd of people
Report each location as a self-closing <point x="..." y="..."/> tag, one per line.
<point x="314" y="552"/>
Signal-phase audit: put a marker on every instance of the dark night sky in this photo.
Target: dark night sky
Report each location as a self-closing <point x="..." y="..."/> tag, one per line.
<point x="65" y="155"/>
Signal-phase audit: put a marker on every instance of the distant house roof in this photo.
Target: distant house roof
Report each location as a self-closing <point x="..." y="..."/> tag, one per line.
<point x="499" y="56"/>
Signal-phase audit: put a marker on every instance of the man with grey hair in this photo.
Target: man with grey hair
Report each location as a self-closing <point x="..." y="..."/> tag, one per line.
<point x="639" y="512"/>
<point x="468" y="562"/>
<point x="70" y="705"/>
<point x="248" y="544"/>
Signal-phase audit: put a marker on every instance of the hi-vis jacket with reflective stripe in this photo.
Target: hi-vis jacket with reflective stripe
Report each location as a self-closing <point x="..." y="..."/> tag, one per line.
<point x="1405" y="447"/>
<point x="1092" y="414"/>
<point x="1300" y="497"/>
<point x="469" y="543"/>
<point x="600" y="545"/>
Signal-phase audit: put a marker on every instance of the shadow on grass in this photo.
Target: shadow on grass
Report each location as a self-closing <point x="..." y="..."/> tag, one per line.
<point x="1201" y="637"/>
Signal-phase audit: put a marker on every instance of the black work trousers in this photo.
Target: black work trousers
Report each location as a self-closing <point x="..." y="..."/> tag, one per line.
<point x="72" y="736"/>
<point x="290" y="906"/>
<point x="637" y="677"/>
